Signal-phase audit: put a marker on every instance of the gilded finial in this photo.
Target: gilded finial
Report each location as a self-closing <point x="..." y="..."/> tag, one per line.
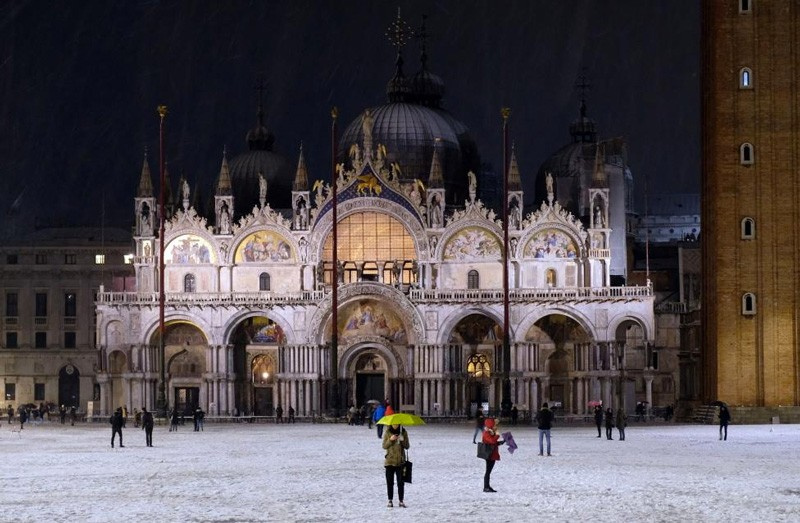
<point x="505" y="112"/>
<point x="162" y="111"/>
<point x="398" y="32"/>
<point x="335" y="112"/>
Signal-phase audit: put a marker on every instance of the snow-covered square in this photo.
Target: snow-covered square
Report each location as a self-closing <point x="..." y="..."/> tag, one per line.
<point x="334" y="472"/>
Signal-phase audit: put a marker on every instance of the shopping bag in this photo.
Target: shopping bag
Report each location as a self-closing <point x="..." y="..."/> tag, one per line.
<point x="407" y="470"/>
<point x="484" y="451"/>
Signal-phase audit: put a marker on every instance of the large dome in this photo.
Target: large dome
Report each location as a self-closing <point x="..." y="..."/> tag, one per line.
<point x="260" y="160"/>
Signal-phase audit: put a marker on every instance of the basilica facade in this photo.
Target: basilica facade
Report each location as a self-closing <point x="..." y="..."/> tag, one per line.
<point x="420" y="303"/>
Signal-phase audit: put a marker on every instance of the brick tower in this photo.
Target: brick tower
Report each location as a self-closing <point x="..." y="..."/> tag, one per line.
<point x="751" y="206"/>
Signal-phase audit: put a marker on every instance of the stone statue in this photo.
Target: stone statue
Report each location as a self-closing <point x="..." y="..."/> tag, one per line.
<point x="513" y="245"/>
<point x="303" y="249"/>
<point x="185" y="190"/>
<point x="436" y="212"/>
<point x="473" y="186"/>
<point x="366" y="127"/>
<point x="549" y="184"/>
<point x="262" y="189"/>
<point x="144" y="223"/>
<point x="224" y="218"/>
<point x="598" y="218"/>
<point x="433" y="242"/>
<point x="301" y="219"/>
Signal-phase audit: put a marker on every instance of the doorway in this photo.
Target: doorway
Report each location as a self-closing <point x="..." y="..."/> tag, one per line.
<point x="69" y="391"/>
<point x="263" y="401"/>
<point x="369" y="386"/>
<point x="187" y="399"/>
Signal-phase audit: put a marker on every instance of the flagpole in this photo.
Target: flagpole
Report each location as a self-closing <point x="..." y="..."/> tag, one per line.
<point x="505" y="404"/>
<point x="334" y="393"/>
<point x="161" y="404"/>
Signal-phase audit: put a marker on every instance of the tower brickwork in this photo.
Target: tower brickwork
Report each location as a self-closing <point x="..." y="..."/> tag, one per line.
<point x="751" y="202"/>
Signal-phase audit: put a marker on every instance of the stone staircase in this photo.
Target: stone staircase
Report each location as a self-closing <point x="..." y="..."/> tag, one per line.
<point x="705" y="414"/>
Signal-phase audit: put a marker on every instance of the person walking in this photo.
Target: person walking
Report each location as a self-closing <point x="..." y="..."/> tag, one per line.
<point x="23" y="417"/>
<point x="491" y="437"/>
<point x="609" y="423"/>
<point x="73" y="413"/>
<point x="62" y="413"/>
<point x="395" y="443"/>
<point x="291" y="414"/>
<point x="279" y="414"/>
<point x="147" y="426"/>
<point x="622" y="422"/>
<point x="598" y="418"/>
<point x="10" y="413"/>
<point x="724" y="419"/>
<point x="117" y="422"/>
<point x="380" y="410"/>
<point x="196" y="419"/>
<point x="545" y="420"/>
<point x="480" y="419"/>
<point x="174" y="419"/>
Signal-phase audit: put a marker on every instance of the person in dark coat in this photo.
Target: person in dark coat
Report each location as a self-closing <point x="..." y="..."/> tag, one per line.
<point x="480" y="419"/>
<point x="491" y="437"/>
<point x="23" y="417"/>
<point x="598" y="418"/>
<point x="62" y="413"/>
<point x="724" y="419"/>
<point x="609" y="423"/>
<point x="291" y="414"/>
<point x="395" y="443"/>
<point x="174" y="419"/>
<point x="117" y="421"/>
<point x="514" y="415"/>
<point x="73" y="413"/>
<point x="279" y="414"/>
<point x="196" y="419"/>
<point x="10" y="413"/>
<point x="545" y="421"/>
<point x="147" y="426"/>
<point x="622" y="422"/>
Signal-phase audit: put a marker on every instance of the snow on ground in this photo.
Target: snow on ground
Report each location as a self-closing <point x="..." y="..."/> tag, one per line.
<point x="327" y="472"/>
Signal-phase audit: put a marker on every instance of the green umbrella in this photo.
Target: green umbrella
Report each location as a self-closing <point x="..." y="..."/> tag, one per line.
<point x="401" y="418"/>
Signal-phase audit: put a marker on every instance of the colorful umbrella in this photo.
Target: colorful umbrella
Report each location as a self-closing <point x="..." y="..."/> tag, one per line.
<point x="509" y="439"/>
<point x="401" y="418"/>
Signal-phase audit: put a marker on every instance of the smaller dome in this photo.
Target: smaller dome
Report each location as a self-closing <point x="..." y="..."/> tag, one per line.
<point x="426" y="89"/>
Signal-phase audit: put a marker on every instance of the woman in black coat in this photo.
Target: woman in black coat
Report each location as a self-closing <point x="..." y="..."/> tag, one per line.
<point x="609" y="422"/>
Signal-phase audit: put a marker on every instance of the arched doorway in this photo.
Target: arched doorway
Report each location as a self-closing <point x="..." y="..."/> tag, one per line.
<point x="479" y="371"/>
<point x="185" y="347"/>
<point x="69" y="390"/>
<point x="370" y="378"/>
<point x="480" y="338"/>
<point x="263" y="376"/>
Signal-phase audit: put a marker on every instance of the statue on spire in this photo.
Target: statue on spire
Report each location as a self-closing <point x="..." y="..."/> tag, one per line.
<point x="262" y="190"/>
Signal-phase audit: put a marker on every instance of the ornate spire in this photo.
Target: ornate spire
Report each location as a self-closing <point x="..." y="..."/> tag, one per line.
<point x="146" y="180"/>
<point x="423" y="35"/>
<point x="301" y="176"/>
<point x="224" y="180"/>
<point x="514" y="182"/>
<point x="398" y="34"/>
<point x="435" y="178"/>
<point x="599" y="178"/>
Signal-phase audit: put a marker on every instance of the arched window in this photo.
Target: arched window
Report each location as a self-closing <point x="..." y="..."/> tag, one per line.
<point x="550" y="276"/>
<point x="350" y="272"/>
<point x="748" y="229"/>
<point x="745" y="6"/>
<point x="189" y="283"/>
<point x="478" y="366"/>
<point x="264" y="282"/>
<point x="746" y="154"/>
<point x="745" y="78"/>
<point x="473" y="280"/>
<point x="369" y="272"/>
<point x="749" y="304"/>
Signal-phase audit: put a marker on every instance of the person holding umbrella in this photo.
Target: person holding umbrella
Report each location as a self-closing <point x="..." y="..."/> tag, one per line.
<point x="395" y="442"/>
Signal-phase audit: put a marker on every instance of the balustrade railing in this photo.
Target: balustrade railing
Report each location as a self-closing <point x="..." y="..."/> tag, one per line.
<point x="209" y="298"/>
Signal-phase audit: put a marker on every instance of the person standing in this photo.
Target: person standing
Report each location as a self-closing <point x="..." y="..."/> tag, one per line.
<point x="480" y="419"/>
<point x="117" y="422"/>
<point x="73" y="413"/>
<point x="62" y="414"/>
<point x="380" y="410"/>
<point x="514" y="415"/>
<point x="196" y="419"/>
<point x="173" y="420"/>
<point x="609" y="423"/>
<point x="10" y="413"/>
<point x="545" y="420"/>
<point x="124" y="415"/>
<point x="147" y="426"/>
<point x="395" y="443"/>
<point x="598" y="418"/>
<point x="491" y="437"/>
<point x="291" y="414"/>
<point x="724" y="419"/>
<point x="622" y="422"/>
<point x="279" y="414"/>
<point x="23" y="417"/>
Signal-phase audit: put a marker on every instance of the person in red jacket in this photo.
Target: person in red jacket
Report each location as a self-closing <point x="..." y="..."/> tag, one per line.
<point x="389" y="409"/>
<point x="491" y="436"/>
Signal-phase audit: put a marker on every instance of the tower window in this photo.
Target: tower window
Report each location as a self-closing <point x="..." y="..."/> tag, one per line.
<point x="746" y="154"/>
<point x="749" y="304"/>
<point x="748" y="229"/>
<point x="745" y="6"/>
<point x="189" y="283"/>
<point x="473" y="280"/>
<point x="745" y="78"/>
<point x="264" y="282"/>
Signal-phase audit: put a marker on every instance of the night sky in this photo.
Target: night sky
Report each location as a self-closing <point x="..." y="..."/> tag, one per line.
<point x="80" y="83"/>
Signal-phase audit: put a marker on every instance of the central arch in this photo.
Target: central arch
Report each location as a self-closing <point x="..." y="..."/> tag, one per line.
<point x="369" y="366"/>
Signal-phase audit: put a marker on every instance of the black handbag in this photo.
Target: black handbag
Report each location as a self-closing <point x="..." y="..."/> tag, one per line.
<point x="407" y="470"/>
<point x="484" y="450"/>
